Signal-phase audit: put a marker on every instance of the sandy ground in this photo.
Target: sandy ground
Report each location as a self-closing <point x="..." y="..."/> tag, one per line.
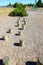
<point x="33" y="36"/>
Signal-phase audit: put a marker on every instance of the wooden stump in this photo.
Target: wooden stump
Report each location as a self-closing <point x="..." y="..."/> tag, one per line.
<point x="22" y="43"/>
<point x="6" y="61"/>
<point x="23" y="27"/>
<point x="18" y="19"/>
<point x="41" y="60"/>
<point x="17" y="25"/>
<point x="24" y="21"/>
<point x="5" y="37"/>
<point x="20" y="33"/>
<point x="10" y="31"/>
<point x="38" y="63"/>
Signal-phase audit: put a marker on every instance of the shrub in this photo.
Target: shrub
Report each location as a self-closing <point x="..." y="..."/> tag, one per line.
<point x="18" y="11"/>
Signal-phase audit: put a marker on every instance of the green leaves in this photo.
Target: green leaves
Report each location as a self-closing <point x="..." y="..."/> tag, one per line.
<point x="19" y="11"/>
<point x="39" y="3"/>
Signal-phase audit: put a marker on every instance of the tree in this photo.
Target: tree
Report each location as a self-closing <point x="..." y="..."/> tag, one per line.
<point x="15" y="5"/>
<point x="39" y="3"/>
<point x="18" y="5"/>
<point x="9" y="5"/>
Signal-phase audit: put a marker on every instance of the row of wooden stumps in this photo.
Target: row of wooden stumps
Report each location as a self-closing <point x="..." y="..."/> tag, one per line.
<point x="23" y="25"/>
<point x="19" y="32"/>
<point x="7" y="61"/>
<point x="6" y="37"/>
<point x="21" y="42"/>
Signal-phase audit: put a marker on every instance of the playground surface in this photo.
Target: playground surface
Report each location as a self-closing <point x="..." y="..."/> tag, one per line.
<point x="32" y="35"/>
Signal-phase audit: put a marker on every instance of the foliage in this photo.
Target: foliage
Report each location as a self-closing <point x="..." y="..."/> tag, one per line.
<point x="30" y="4"/>
<point x="9" y="5"/>
<point x="19" y="10"/>
<point x="39" y="3"/>
<point x="18" y="5"/>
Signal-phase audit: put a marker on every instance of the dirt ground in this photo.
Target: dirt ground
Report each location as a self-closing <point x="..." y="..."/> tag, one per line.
<point x="32" y="35"/>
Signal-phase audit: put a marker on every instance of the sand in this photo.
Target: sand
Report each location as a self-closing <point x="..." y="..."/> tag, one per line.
<point x="32" y="35"/>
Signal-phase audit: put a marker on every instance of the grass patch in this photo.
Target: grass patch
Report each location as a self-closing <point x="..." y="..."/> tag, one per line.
<point x="5" y="11"/>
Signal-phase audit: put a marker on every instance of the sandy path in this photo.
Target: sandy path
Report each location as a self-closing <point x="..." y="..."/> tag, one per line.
<point x="33" y="36"/>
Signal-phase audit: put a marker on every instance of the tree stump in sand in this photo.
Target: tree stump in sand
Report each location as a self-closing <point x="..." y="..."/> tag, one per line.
<point x="40" y="61"/>
<point x="10" y="31"/>
<point x="19" y="33"/>
<point x="23" y="27"/>
<point x="18" y="19"/>
<point x="24" y="21"/>
<point x="6" y="60"/>
<point x="5" y="37"/>
<point x="17" y="25"/>
<point x="22" y="43"/>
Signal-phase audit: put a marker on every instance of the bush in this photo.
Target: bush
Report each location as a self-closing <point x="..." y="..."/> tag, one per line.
<point x="19" y="11"/>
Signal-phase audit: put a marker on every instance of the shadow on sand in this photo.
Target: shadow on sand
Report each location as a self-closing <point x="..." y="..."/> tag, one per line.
<point x="7" y="32"/>
<point x="16" y="44"/>
<point x="1" y="62"/>
<point x="16" y="25"/>
<point x="1" y="39"/>
<point x="17" y="34"/>
<point x="20" y="28"/>
<point x="30" y="63"/>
